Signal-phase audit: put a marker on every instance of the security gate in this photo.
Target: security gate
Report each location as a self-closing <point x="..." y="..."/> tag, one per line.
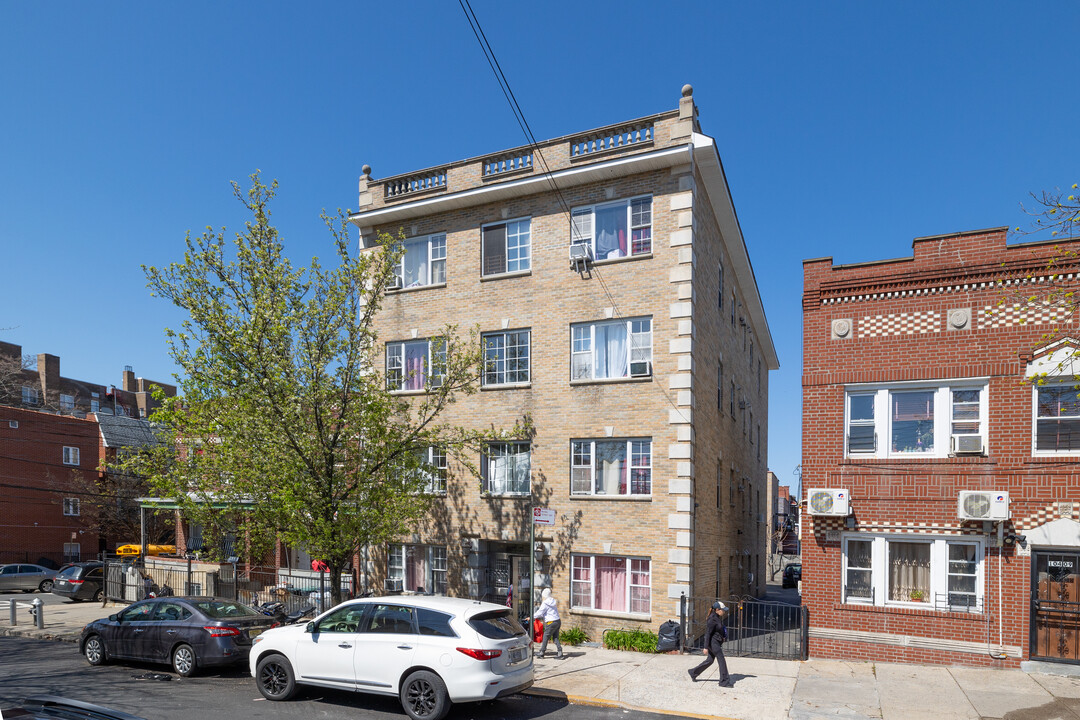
<point x="1055" y="606"/>
<point x="756" y="628"/>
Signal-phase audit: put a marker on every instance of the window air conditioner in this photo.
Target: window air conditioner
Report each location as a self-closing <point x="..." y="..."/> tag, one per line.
<point x="967" y="445"/>
<point x="829" y="501"/>
<point x="393" y="585"/>
<point x="640" y="368"/>
<point x="580" y="251"/>
<point x="982" y="505"/>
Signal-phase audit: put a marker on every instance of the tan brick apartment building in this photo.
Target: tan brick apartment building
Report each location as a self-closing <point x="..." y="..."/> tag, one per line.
<point x="619" y="311"/>
<point x="916" y="409"/>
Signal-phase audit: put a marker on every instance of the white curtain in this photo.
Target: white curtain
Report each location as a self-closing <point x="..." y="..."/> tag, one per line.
<point x="610" y="467"/>
<point x="611" y="350"/>
<point x="909" y="571"/>
<point x="414" y="263"/>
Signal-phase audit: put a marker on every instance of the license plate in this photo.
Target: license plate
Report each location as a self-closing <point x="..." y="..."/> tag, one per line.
<point x="518" y="655"/>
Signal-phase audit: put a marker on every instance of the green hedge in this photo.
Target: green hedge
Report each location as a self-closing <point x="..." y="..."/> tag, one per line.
<point x="639" y="640"/>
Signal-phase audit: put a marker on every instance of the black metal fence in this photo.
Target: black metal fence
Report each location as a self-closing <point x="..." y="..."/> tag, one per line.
<point x="756" y="628"/>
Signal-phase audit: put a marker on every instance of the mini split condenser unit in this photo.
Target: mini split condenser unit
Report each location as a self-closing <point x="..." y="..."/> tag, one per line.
<point x="829" y="501"/>
<point x="982" y="505"/>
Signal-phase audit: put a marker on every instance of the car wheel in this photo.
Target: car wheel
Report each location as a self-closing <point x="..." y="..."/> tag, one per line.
<point x="423" y="696"/>
<point x="94" y="650"/>
<point x="275" y="678"/>
<point x="99" y="595"/>
<point x="45" y="586"/>
<point x="183" y="660"/>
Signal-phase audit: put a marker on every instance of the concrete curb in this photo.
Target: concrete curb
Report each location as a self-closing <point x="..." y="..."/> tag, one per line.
<point x="597" y="702"/>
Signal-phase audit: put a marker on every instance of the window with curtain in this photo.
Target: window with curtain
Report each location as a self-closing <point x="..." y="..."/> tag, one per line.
<point x="612" y="583"/>
<point x="611" y="467"/>
<point x="613" y="230"/>
<point x="905" y="569"/>
<point x="420" y="568"/>
<point x="424" y="261"/>
<point x="1057" y="426"/>
<point x="506" y="247"/>
<point x="416" y="364"/>
<point x="506" y="468"/>
<point x="913" y="422"/>
<point x="506" y="357"/>
<point x="909" y="571"/>
<point x="615" y="349"/>
<point x="885" y="422"/>
<point x="71" y="455"/>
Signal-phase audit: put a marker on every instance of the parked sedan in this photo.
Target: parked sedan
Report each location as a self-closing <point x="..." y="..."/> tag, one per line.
<point x="792" y="576"/>
<point x="25" y="577"/>
<point x="51" y="707"/>
<point x="80" y="581"/>
<point x="187" y="632"/>
<point x="428" y="651"/>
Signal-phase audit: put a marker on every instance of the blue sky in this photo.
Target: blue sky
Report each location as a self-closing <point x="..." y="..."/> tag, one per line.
<point x="846" y="129"/>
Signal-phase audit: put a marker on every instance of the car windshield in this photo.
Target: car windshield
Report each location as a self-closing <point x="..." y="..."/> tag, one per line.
<point x="220" y="609"/>
<point x="496" y="624"/>
<point x="69" y="572"/>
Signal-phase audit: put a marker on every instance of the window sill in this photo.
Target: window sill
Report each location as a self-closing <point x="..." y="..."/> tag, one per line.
<point x="504" y="276"/>
<point x="512" y="496"/>
<point x="409" y="392"/>
<point x="506" y="386"/>
<point x="918" y="458"/>
<point x="414" y="288"/>
<point x="619" y="498"/>
<point x="908" y="609"/>
<point x="624" y="258"/>
<point x="611" y="614"/>
<point x="612" y="381"/>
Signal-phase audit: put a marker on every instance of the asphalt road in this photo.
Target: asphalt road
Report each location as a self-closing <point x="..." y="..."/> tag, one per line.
<point x="18" y="595"/>
<point x="32" y="667"/>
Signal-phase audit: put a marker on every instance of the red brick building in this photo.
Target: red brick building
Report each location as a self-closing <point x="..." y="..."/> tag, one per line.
<point x="916" y="415"/>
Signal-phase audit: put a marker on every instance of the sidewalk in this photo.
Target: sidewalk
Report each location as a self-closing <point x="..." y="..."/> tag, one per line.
<point x="764" y="689"/>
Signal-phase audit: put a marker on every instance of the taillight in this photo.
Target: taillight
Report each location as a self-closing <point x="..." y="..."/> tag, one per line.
<point x="76" y="582"/>
<point x="221" y="630"/>
<point x="478" y="654"/>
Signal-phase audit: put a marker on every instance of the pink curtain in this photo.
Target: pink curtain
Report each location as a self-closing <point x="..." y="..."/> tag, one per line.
<point x="415" y="354"/>
<point x="415" y="568"/>
<point x="611" y="584"/>
<point x="623" y="476"/>
<point x="622" y="241"/>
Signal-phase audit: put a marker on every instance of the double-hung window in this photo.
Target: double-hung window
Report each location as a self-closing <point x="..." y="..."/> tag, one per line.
<point x="71" y="506"/>
<point x="424" y="262"/>
<point x="506" y="357"/>
<point x="1057" y="419"/>
<point x="916" y="420"/>
<point x="433" y="470"/>
<point x="614" y="584"/>
<point x="506" y="247"/>
<point x="615" y="349"/>
<point x="71" y="455"/>
<point x="67" y="402"/>
<point x="908" y="569"/>
<point x="416" y="364"/>
<point x="506" y="469"/>
<point x="418" y="568"/>
<point x="614" y="230"/>
<point x="29" y="395"/>
<point x="611" y="467"/>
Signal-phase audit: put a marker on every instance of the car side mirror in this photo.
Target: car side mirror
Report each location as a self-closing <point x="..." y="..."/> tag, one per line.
<point x="310" y="627"/>
<point x="114" y="618"/>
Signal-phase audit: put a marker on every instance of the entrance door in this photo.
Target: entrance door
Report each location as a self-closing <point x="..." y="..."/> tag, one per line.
<point x="1055" y="606"/>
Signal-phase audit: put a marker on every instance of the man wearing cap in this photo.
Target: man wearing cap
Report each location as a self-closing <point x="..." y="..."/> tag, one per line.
<point x="715" y="635"/>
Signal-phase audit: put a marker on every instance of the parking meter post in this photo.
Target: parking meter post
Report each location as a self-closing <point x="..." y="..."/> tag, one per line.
<point x="39" y="614"/>
<point x="14" y="610"/>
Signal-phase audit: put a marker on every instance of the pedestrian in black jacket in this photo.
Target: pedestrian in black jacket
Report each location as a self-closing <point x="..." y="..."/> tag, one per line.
<point x="715" y="635"/>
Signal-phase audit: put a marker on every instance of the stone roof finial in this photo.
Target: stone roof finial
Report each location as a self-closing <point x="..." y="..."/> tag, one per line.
<point x="366" y="170"/>
<point x="687" y="90"/>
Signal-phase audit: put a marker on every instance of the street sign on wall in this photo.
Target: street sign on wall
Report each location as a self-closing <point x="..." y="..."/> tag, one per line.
<point x="543" y="516"/>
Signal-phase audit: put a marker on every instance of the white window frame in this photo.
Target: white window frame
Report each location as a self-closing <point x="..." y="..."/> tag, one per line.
<point x="67" y="402"/>
<point x="583" y="348"/>
<point x="939" y="570"/>
<point x="72" y="552"/>
<point x="942" y="419"/>
<point x="435" y="574"/>
<point x="95" y="406"/>
<point x="434" y="272"/>
<point x="583" y="461"/>
<point x="1035" y="418"/>
<point x="71" y="455"/>
<point x="434" y="482"/>
<point x="580" y="587"/>
<point x="521" y="230"/>
<point x="496" y="359"/>
<point x="71" y="507"/>
<point x="639" y="218"/>
<point x="434" y="361"/>
<point x="514" y="453"/>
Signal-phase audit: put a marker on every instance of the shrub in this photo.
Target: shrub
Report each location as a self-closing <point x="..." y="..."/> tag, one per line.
<point x="639" y="640"/>
<point x="573" y="636"/>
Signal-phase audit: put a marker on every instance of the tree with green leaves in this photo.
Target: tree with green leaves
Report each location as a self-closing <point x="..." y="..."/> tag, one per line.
<point x="285" y="426"/>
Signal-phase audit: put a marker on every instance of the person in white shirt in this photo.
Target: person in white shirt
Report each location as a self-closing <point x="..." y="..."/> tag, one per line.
<point x="549" y="613"/>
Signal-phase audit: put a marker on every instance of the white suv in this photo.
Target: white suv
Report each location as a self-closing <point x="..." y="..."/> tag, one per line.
<point x="429" y="651"/>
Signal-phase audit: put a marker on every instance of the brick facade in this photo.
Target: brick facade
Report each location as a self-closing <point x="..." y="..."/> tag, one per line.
<point x="898" y="330"/>
<point x="688" y="521"/>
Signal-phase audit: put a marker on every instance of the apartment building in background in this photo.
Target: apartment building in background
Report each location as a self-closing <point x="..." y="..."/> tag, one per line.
<point x="942" y="495"/>
<point x="52" y="445"/>
<point x="618" y="309"/>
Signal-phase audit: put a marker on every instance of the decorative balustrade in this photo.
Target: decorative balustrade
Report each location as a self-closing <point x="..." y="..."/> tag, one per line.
<point x="424" y="181"/>
<point x="520" y="160"/>
<point x="619" y="137"/>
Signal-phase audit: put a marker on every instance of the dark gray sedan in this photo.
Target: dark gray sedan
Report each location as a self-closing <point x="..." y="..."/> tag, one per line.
<point x="186" y="632"/>
<point x="25" y="577"/>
